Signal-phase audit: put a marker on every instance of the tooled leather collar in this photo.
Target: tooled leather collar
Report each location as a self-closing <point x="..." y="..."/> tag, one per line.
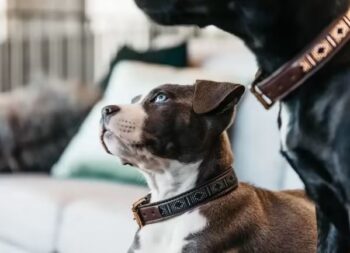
<point x="295" y="72"/>
<point x="148" y="213"/>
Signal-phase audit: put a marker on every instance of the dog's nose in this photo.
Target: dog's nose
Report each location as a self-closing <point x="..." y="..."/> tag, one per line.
<point x="110" y="110"/>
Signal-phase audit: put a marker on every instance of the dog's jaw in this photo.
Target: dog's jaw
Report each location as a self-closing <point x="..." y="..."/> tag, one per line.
<point x="165" y="177"/>
<point x="121" y="135"/>
<point x="135" y="154"/>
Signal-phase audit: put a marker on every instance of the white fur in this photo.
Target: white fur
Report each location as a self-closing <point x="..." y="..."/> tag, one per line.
<point x="170" y="236"/>
<point x="173" y="180"/>
<point x="129" y="118"/>
<point x="125" y="130"/>
<point x="166" y="178"/>
<point x="285" y="125"/>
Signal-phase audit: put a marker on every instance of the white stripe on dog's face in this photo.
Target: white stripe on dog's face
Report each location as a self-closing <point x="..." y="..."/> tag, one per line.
<point x="123" y="138"/>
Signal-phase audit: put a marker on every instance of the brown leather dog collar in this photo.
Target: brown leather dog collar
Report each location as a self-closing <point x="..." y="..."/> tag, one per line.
<point x="294" y="73"/>
<point x="147" y="213"/>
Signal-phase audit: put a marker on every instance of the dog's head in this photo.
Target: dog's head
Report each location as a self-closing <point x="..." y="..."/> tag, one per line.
<point x="275" y="30"/>
<point x="172" y="122"/>
<point x="250" y="20"/>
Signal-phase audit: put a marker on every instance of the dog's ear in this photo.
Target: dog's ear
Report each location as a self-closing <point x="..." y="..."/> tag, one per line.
<point x="212" y="96"/>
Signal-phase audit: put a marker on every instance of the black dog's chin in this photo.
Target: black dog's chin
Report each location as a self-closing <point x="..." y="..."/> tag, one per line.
<point x="155" y="5"/>
<point x="174" y="19"/>
<point x="160" y="18"/>
<point x="165" y="13"/>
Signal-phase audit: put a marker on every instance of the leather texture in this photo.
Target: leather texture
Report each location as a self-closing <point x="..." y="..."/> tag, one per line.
<point x="294" y="73"/>
<point x="147" y="213"/>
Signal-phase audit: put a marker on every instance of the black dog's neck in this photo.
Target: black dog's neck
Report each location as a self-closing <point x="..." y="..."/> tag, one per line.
<point x="279" y="30"/>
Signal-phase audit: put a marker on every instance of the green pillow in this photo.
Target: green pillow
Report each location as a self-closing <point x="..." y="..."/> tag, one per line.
<point x="85" y="157"/>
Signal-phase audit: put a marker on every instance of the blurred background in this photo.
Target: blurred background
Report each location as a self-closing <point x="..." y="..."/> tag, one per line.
<point x="61" y="61"/>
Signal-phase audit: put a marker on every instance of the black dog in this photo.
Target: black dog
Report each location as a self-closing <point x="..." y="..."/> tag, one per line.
<point x="316" y="118"/>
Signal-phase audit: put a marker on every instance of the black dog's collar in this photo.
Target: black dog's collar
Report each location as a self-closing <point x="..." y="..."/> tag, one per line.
<point x="147" y="213"/>
<point x="295" y="72"/>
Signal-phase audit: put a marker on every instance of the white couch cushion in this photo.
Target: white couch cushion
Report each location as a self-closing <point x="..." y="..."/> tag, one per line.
<point x="29" y="211"/>
<point x="9" y="248"/>
<point x="99" y="224"/>
<point x="32" y="208"/>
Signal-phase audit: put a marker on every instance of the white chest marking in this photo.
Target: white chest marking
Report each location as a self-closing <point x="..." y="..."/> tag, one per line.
<point x="170" y="236"/>
<point x="285" y="125"/>
<point x="177" y="178"/>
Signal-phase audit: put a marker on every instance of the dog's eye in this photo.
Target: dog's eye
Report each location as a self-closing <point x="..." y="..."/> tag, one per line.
<point x="160" y="98"/>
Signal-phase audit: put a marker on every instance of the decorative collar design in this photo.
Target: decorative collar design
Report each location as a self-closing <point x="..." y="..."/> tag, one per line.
<point x="295" y="72"/>
<point x="147" y="213"/>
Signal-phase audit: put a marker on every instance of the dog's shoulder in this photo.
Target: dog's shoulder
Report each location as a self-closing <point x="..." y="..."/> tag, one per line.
<point x="260" y="215"/>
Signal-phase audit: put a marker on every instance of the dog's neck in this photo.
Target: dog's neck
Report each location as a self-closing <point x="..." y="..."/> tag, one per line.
<point x="277" y="31"/>
<point x="178" y="177"/>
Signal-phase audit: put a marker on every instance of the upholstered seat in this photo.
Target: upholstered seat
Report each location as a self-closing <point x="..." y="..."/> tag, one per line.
<point x="42" y="214"/>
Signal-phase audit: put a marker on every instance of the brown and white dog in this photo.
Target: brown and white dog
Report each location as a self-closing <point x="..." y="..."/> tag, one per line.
<point x="176" y="136"/>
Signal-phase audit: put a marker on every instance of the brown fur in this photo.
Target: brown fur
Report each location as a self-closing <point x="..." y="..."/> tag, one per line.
<point x="248" y="219"/>
<point x="256" y="220"/>
<point x="252" y="219"/>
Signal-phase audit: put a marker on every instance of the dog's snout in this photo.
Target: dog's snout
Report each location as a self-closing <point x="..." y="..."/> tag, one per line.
<point x="110" y="110"/>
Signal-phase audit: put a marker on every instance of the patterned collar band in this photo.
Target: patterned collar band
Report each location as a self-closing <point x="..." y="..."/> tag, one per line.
<point x="294" y="73"/>
<point x="147" y="213"/>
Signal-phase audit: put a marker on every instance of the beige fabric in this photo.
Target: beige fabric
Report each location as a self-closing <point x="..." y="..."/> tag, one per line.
<point x="35" y="212"/>
<point x="9" y="248"/>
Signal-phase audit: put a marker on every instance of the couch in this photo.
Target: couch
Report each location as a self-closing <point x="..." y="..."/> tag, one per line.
<point x="39" y="214"/>
<point x="44" y="214"/>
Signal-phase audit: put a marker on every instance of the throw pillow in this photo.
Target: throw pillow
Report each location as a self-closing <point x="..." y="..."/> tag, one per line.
<point x="85" y="156"/>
